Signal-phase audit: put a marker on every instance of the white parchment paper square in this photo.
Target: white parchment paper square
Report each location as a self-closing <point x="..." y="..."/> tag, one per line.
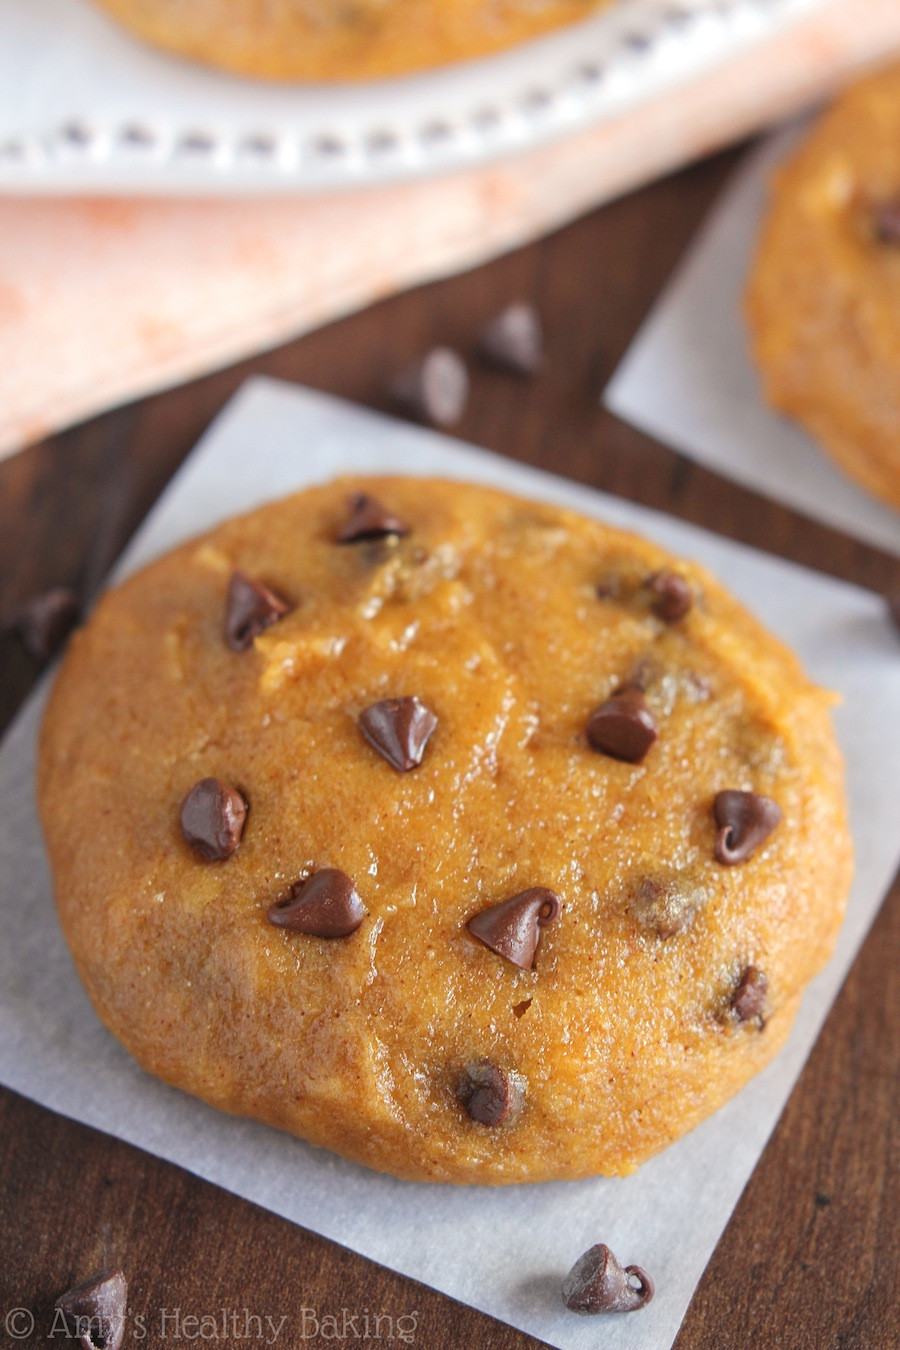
<point x="688" y="378"/>
<point x="503" y="1251"/>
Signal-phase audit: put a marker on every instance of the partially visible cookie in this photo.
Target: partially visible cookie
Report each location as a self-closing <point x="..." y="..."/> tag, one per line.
<point x="499" y="848"/>
<point x="354" y="40"/>
<point x="823" y="301"/>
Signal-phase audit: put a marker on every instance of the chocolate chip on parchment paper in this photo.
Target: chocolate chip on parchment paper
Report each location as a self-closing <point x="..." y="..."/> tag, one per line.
<point x="597" y="1283"/>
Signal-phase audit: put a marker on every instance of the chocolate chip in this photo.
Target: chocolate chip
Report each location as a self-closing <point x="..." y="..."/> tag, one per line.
<point x="325" y="905"/>
<point x="398" y="728"/>
<point x="666" y="904"/>
<point x="623" y="727"/>
<point x="512" y="927"/>
<point x="249" y="608"/>
<point x="893" y="604"/>
<point x="368" y="519"/>
<point x="745" y="821"/>
<point x="212" y="818"/>
<point x="886" y="222"/>
<point x="491" y="1096"/>
<point x="598" y="1284"/>
<point x="748" y="999"/>
<point x="94" y="1311"/>
<point x="44" y="623"/>
<point x="435" y="389"/>
<point x="672" y="596"/>
<point x="514" y="340"/>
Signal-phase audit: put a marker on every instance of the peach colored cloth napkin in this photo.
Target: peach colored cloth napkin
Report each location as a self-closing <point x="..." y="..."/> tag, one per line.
<point x="103" y="300"/>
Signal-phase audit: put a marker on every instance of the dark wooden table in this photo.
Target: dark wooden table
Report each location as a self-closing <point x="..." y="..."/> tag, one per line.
<point x="811" y="1256"/>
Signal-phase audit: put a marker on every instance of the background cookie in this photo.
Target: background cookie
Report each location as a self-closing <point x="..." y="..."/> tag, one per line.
<point x="324" y="40"/>
<point x="824" y="297"/>
<point x="460" y="834"/>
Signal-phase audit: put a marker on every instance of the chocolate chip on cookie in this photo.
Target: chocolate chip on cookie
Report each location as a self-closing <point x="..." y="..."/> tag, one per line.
<point x="212" y="816"/>
<point x="745" y="821"/>
<point x="886" y="222"/>
<point x="325" y="905"/>
<point x="512" y="927"/>
<point x="672" y="597"/>
<point x="514" y="340"/>
<point x="398" y="728"/>
<point x="435" y="389"/>
<point x="491" y="1096"/>
<point x="369" y="519"/>
<point x="748" y="999"/>
<point x="666" y="903"/>
<point x="598" y="1284"/>
<point x="94" y="1312"/>
<point x="623" y="727"/>
<point x="249" y="609"/>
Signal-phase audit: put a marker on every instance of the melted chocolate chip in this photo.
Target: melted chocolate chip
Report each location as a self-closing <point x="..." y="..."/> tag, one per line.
<point x="666" y="904"/>
<point x="749" y="998"/>
<point x="672" y="596"/>
<point x="512" y="927"/>
<point x="368" y="520"/>
<point x="325" y="905"/>
<point x="94" y="1312"/>
<point x="598" y="1284"/>
<point x="398" y="728"/>
<point x="745" y="821"/>
<point x="249" y="608"/>
<point x="490" y="1096"/>
<point x="886" y="222"/>
<point x="435" y="389"/>
<point x="212" y="818"/>
<point x="44" y="623"/>
<point x="514" y="340"/>
<point x="623" y="727"/>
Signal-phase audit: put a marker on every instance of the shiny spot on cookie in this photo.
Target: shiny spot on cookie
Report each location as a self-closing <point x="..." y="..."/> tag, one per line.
<point x="250" y="608"/>
<point x="512" y="927"/>
<point x="745" y="821"/>
<point x="490" y="1096"/>
<point x="623" y="727"/>
<point x="212" y="817"/>
<point x="597" y="1283"/>
<point x="325" y="905"/>
<point x="399" y="729"/>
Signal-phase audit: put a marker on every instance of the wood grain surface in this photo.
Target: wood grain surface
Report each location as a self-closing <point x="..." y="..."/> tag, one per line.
<point x="811" y="1256"/>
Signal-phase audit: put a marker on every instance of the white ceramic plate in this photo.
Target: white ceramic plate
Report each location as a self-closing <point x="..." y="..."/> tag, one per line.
<point x="83" y="108"/>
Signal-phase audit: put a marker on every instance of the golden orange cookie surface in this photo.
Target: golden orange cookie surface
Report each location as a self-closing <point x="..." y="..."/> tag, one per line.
<point x="537" y="923"/>
<point x="328" y="40"/>
<point x="823" y="300"/>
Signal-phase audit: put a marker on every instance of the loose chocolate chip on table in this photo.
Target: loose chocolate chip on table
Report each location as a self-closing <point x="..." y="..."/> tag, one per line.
<point x="598" y="1284"/>
<point x="212" y="818"/>
<point x="44" y="623"/>
<point x="325" y="905"/>
<point x="398" y="728"/>
<point x="435" y="389"/>
<point x="512" y="927"/>
<point x="490" y="1096"/>
<point x="623" y="726"/>
<point x="893" y="604"/>
<point x="748" y="999"/>
<point x="368" y="519"/>
<point x="886" y="222"/>
<point x="249" y="608"/>
<point x="666" y="904"/>
<point x="745" y="821"/>
<point x="94" y="1312"/>
<point x="514" y="340"/>
<point x="672" y="596"/>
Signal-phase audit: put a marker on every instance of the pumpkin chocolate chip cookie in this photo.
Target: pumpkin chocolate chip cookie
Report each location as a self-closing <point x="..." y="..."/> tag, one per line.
<point x="823" y="301"/>
<point x="463" y="835"/>
<point x="353" y="40"/>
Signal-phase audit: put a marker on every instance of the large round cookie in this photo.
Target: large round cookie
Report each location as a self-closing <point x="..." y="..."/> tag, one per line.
<point x="325" y="40"/>
<point x="615" y="737"/>
<point x="823" y="300"/>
